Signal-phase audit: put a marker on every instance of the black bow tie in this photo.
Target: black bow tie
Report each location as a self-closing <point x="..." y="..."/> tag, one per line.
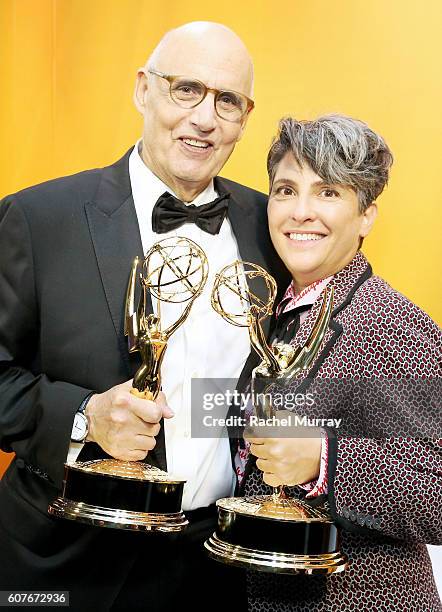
<point x="169" y="213"/>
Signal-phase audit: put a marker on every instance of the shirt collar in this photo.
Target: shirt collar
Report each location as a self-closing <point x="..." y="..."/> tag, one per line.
<point x="306" y="297"/>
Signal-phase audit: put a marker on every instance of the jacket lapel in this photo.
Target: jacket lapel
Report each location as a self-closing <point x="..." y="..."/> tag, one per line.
<point x="115" y="234"/>
<point x="345" y="283"/>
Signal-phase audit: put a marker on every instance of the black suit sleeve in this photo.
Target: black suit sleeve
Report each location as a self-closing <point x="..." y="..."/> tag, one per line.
<point x="36" y="413"/>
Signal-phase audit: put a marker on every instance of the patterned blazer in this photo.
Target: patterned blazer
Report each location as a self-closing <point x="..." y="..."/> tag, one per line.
<point x="379" y="369"/>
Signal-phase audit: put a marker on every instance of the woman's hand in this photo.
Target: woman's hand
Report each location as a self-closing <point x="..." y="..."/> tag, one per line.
<point x="288" y="461"/>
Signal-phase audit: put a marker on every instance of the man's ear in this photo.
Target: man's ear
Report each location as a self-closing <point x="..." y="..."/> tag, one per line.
<point x="140" y="92"/>
<point x="368" y="219"/>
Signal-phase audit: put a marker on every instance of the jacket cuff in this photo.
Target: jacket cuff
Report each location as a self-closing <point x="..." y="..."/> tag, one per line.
<point x="319" y="486"/>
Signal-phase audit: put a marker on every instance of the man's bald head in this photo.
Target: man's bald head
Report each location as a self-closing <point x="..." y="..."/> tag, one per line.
<point x="203" y="42"/>
<point x="187" y="145"/>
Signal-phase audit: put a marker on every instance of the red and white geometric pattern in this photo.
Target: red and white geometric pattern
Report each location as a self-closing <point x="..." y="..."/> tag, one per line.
<point x="384" y="491"/>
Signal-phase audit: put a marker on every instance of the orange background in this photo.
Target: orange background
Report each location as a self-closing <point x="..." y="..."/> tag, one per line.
<point x="67" y="70"/>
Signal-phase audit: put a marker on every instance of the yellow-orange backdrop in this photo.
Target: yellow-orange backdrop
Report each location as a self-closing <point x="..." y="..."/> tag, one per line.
<point x="67" y="70"/>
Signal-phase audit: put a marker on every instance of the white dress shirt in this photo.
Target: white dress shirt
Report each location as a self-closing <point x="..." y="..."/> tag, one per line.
<point x="205" y="346"/>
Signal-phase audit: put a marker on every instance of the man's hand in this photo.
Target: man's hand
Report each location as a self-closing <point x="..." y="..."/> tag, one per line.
<point x="288" y="461"/>
<point x="124" y="425"/>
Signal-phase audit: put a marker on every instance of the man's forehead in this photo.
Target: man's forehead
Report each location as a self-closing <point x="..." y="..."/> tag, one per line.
<point x="217" y="67"/>
<point x="216" y="77"/>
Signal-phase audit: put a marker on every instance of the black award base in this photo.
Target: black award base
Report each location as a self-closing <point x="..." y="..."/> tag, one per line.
<point x="122" y="495"/>
<point x="273" y="534"/>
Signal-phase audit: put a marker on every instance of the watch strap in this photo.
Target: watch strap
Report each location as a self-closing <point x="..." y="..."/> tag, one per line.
<point x="84" y="403"/>
<point x="81" y="410"/>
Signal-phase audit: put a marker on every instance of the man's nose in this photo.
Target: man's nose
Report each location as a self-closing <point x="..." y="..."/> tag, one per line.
<point x="203" y="115"/>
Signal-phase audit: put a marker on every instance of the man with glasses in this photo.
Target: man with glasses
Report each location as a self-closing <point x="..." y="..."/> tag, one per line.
<point x="66" y="249"/>
<point x="188" y="93"/>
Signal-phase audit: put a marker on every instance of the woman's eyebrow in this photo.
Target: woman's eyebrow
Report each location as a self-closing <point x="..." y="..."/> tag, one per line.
<point x="286" y="181"/>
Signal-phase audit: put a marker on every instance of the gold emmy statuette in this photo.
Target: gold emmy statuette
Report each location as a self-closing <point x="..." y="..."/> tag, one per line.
<point x="272" y="533"/>
<point x="132" y="494"/>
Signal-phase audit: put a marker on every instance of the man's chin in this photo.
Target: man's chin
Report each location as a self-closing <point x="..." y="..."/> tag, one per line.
<point x="195" y="175"/>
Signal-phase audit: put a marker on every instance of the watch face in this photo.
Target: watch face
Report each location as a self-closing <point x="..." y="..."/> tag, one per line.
<point x="80" y="428"/>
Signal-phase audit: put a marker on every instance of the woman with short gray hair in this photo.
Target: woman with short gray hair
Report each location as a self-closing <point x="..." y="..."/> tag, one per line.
<point x="383" y="484"/>
<point x="339" y="149"/>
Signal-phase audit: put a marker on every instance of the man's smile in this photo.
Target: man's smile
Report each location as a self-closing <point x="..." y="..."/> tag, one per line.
<point x="193" y="142"/>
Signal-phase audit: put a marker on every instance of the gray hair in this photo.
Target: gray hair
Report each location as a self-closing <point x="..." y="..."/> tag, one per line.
<point x="339" y="149"/>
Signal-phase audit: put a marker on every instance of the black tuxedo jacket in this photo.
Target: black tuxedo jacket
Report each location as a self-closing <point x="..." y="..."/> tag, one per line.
<point x="66" y="248"/>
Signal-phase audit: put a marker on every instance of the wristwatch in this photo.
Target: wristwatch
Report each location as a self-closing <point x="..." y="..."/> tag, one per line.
<point x="80" y="428"/>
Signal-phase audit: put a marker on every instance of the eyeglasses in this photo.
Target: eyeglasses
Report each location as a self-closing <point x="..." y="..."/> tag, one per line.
<point x="188" y="93"/>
